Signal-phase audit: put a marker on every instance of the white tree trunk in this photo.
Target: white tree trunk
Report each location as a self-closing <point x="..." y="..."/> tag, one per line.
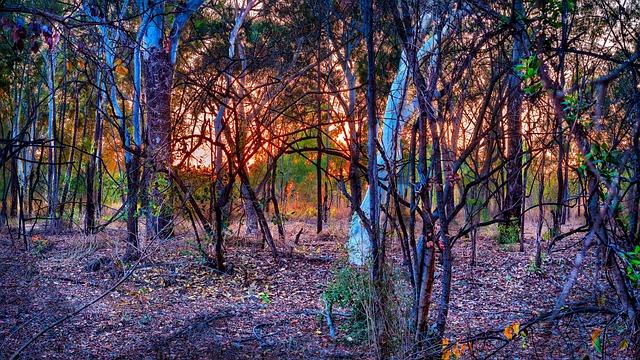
<point x="397" y="112"/>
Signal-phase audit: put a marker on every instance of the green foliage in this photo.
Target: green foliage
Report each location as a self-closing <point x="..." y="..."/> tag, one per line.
<point x="40" y="246"/>
<point x="155" y="208"/>
<point x="113" y="188"/>
<point x="633" y="265"/>
<point x="552" y="11"/>
<point x="532" y="268"/>
<point x="508" y="234"/>
<point x="604" y="160"/>
<point x="474" y="202"/>
<point x="350" y="288"/>
<point x="261" y="30"/>
<point x="161" y="182"/>
<point x="275" y="220"/>
<point x="264" y="297"/>
<point x="574" y="111"/>
<point x="527" y="70"/>
<point x="485" y="215"/>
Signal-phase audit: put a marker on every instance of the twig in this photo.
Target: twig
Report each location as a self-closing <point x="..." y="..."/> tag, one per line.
<point x="327" y="314"/>
<point x="126" y="276"/>
<point x="298" y="236"/>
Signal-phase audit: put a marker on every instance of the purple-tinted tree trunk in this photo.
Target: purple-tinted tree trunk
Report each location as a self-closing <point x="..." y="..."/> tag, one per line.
<point x="158" y="80"/>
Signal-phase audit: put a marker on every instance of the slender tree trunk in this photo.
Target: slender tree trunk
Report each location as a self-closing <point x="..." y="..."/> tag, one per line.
<point x="79" y="170"/>
<point x="634" y="206"/>
<point x="538" y="257"/>
<point x="354" y="138"/>
<point x="219" y="236"/>
<point x="53" y="222"/>
<point x="377" y="252"/>
<point x="72" y="151"/>
<point x="5" y="193"/>
<point x="62" y="114"/>
<point x="274" y="201"/>
<point x="514" y="195"/>
<point x="262" y="221"/>
<point x="133" y="179"/>
<point x="319" y="141"/>
<point x="14" y="187"/>
<point x="325" y="201"/>
<point x="249" y="210"/>
<point x="90" y="210"/>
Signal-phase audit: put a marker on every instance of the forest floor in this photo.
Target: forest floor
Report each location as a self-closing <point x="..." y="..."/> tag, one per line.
<point x="175" y="307"/>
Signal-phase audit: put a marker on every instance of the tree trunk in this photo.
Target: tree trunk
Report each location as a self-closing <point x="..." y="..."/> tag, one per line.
<point x="557" y="212"/>
<point x="354" y="139"/>
<point x="158" y="79"/>
<point x="274" y="201"/>
<point x="133" y="178"/>
<point x="262" y="221"/>
<point x="72" y="151"/>
<point x="634" y="203"/>
<point x="377" y="248"/>
<point x="53" y="222"/>
<point x="514" y="195"/>
<point x="90" y="210"/>
<point x="538" y="257"/>
<point x="249" y="210"/>
<point x="319" y="143"/>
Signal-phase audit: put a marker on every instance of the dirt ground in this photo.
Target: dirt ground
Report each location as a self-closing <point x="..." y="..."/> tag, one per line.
<point x="175" y="307"/>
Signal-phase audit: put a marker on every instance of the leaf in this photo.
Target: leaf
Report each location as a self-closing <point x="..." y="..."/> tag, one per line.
<point x="624" y="345"/>
<point x="598" y="345"/>
<point x="446" y="353"/>
<point x="512" y="330"/>
<point x="459" y="350"/>
<point x="121" y="70"/>
<point x="595" y="339"/>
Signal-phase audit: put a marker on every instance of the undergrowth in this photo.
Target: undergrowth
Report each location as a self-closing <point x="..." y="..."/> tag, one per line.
<point x="508" y="234"/>
<point x="350" y="288"/>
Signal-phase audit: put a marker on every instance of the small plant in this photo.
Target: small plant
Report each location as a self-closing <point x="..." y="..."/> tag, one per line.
<point x="125" y="318"/>
<point x="40" y="245"/>
<point x="633" y="265"/>
<point x="527" y="70"/>
<point x="185" y="253"/>
<point x="508" y="234"/>
<point x="282" y="219"/>
<point x="145" y="319"/>
<point x="485" y="215"/>
<point x="264" y="297"/>
<point x="350" y="288"/>
<point x="532" y="268"/>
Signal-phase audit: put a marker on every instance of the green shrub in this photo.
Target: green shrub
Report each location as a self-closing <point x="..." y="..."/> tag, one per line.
<point x="350" y="288"/>
<point x="532" y="268"/>
<point x="508" y="234"/>
<point x="632" y="258"/>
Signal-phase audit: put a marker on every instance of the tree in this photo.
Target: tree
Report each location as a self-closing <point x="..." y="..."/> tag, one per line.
<point x="158" y="68"/>
<point x="515" y="195"/>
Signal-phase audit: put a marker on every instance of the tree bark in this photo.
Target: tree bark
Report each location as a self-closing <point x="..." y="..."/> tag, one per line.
<point x="514" y="195"/>
<point x="249" y="210"/>
<point x="53" y="222"/>
<point x="158" y="79"/>
<point x="90" y="209"/>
